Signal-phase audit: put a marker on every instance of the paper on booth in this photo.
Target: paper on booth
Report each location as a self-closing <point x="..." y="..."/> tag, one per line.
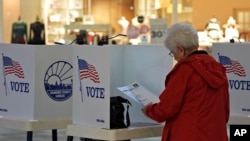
<point x="139" y="93"/>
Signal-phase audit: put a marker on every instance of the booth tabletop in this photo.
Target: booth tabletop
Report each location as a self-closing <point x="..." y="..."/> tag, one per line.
<point x="34" y="125"/>
<point x="239" y="120"/>
<point x="135" y="131"/>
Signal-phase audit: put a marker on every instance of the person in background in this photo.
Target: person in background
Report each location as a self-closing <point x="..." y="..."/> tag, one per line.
<point x="195" y="102"/>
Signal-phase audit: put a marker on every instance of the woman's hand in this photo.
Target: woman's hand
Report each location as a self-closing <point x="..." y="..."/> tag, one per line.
<point x="144" y="109"/>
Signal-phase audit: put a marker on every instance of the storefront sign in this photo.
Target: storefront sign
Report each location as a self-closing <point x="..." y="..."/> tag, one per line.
<point x="144" y="29"/>
<point x="133" y="32"/>
<point x="158" y="29"/>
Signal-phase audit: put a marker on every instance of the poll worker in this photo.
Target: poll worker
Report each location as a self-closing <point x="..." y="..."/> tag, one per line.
<point x="195" y="102"/>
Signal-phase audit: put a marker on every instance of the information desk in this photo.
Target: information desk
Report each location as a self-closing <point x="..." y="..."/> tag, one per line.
<point x="35" y="125"/>
<point x="135" y="131"/>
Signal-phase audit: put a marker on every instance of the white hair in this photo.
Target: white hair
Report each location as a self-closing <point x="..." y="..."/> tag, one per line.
<point x="181" y="35"/>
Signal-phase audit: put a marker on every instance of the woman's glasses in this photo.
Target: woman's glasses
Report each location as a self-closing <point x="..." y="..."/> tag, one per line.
<point x="171" y="54"/>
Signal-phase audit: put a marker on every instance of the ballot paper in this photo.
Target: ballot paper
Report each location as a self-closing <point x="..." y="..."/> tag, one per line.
<point x="139" y="93"/>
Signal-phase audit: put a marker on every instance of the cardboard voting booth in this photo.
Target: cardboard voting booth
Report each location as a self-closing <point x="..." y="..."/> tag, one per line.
<point x="235" y="58"/>
<point x="99" y="70"/>
<point x="147" y="65"/>
<point x="35" y="82"/>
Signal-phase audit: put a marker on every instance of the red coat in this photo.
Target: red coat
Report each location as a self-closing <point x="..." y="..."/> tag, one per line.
<point x="195" y="102"/>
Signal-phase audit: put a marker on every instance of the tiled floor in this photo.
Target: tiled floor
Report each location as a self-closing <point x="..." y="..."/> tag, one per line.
<point x="46" y="135"/>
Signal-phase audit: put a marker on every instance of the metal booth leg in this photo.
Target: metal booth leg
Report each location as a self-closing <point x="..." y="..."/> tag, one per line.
<point x="70" y="138"/>
<point x="29" y="135"/>
<point x="54" y="134"/>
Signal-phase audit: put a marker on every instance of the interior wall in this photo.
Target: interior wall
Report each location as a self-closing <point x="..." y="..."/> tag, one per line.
<point x="1" y="20"/>
<point x="11" y="10"/>
<point x="99" y="7"/>
<point x="126" y="9"/>
<point x="221" y="9"/>
<point x="30" y="9"/>
<point x="116" y="9"/>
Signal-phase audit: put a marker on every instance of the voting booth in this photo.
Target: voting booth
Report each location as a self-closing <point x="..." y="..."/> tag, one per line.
<point x="235" y="58"/>
<point x="36" y="82"/>
<point x="97" y="70"/>
<point x="100" y="70"/>
<point x="148" y="65"/>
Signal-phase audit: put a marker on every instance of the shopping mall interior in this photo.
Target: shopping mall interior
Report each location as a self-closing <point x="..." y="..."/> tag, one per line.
<point x="128" y="21"/>
<point x="63" y="19"/>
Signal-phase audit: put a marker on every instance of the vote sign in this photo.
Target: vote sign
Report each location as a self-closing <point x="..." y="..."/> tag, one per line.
<point x="234" y="57"/>
<point x="92" y="83"/>
<point x="31" y="91"/>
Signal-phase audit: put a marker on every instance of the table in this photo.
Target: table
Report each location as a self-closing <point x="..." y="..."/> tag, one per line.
<point x="35" y="125"/>
<point x="243" y="120"/>
<point x="135" y="131"/>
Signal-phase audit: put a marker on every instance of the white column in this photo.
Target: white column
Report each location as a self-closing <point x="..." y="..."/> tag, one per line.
<point x="1" y="21"/>
<point x="89" y="7"/>
<point x="141" y="7"/>
<point x="175" y="11"/>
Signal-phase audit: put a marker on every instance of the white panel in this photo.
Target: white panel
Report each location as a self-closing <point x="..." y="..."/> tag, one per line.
<point x="91" y="98"/>
<point x="56" y="71"/>
<point x="17" y="93"/>
<point x="238" y="77"/>
<point x="148" y="65"/>
<point x="44" y="91"/>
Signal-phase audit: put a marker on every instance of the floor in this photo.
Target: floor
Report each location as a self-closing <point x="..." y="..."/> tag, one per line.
<point x="17" y="135"/>
<point x="45" y="135"/>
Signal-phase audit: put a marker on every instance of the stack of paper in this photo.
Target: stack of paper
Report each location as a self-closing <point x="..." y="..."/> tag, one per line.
<point x="139" y="94"/>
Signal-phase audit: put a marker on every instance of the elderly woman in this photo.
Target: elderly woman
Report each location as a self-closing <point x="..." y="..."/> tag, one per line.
<point x="195" y="102"/>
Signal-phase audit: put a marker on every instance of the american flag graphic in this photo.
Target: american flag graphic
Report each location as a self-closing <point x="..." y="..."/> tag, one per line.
<point x="12" y="67"/>
<point x="232" y="66"/>
<point x="88" y="71"/>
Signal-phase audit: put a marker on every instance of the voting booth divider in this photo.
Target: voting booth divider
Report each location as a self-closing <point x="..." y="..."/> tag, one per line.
<point x="37" y="91"/>
<point x="112" y="67"/>
<point x="235" y="58"/>
<point x="95" y="71"/>
<point x="36" y="85"/>
<point x="36" y="82"/>
<point x="98" y="72"/>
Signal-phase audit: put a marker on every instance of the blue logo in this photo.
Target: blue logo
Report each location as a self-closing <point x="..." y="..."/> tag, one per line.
<point x="58" y="81"/>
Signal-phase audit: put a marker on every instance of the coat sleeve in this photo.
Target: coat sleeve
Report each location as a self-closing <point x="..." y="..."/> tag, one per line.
<point x="172" y="97"/>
